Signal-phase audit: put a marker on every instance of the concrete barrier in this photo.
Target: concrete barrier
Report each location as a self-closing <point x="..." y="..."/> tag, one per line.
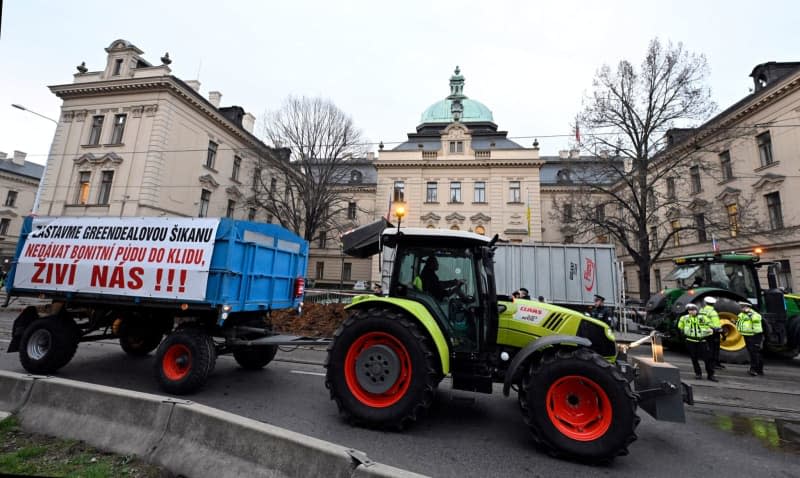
<point x="187" y="438"/>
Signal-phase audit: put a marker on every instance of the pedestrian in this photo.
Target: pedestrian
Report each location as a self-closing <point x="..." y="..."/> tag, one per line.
<point x="523" y="293"/>
<point x="695" y="330"/>
<point x="599" y="310"/>
<point x="541" y="298"/>
<point x="716" y="330"/>
<point x="749" y="325"/>
<point x="377" y="289"/>
<point x="515" y="294"/>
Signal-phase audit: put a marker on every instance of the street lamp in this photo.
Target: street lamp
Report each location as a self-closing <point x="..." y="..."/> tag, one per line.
<point x="35" y="208"/>
<point x="399" y="212"/>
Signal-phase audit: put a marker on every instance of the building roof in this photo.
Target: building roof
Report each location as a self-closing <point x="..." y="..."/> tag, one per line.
<point x="472" y="111"/>
<point x="29" y="169"/>
<point x="577" y="171"/>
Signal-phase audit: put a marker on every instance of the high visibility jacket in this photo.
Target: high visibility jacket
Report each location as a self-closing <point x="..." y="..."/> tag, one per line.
<point x="749" y="323"/>
<point x="711" y="315"/>
<point x="694" y="327"/>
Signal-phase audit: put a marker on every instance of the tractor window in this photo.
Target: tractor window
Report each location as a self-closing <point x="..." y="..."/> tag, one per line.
<point x="719" y="276"/>
<point x="741" y="280"/>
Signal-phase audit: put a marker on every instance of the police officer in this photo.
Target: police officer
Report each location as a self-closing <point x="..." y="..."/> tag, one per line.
<point x="599" y="310"/>
<point x="749" y="325"/>
<point x="716" y="330"/>
<point x="696" y="330"/>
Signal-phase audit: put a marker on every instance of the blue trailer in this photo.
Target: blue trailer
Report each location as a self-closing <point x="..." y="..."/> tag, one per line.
<point x="192" y="288"/>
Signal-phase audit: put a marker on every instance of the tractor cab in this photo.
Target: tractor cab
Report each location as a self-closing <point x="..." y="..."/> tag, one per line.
<point x="738" y="275"/>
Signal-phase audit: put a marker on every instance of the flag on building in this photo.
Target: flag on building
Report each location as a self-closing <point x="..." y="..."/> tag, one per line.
<point x="389" y="209"/>
<point x="714" y="243"/>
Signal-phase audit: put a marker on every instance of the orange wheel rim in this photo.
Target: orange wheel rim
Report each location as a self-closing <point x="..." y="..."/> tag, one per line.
<point x="177" y="362"/>
<point x="579" y="408"/>
<point x="400" y="376"/>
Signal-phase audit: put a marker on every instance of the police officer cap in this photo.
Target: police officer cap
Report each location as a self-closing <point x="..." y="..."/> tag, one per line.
<point x="691" y="306"/>
<point x="710" y="300"/>
<point x="745" y="304"/>
<point x="599" y="297"/>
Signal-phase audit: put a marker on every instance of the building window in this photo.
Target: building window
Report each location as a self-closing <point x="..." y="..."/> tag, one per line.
<point x="347" y="271"/>
<point x="119" y="129"/>
<point x="323" y="239"/>
<point x="725" y="165"/>
<point x="4" y="224"/>
<point x="237" y="165"/>
<point x="568" y="212"/>
<point x="514" y="192"/>
<point x="117" y="66"/>
<point x="569" y="239"/>
<point x="670" y="188"/>
<point x="733" y="218"/>
<point x="480" y="192"/>
<point x="320" y="270"/>
<point x="97" y="128"/>
<point x="211" y="156"/>
<point x="657" y="276"/>
<point x="454" y="227"/>
<point x="785" y="275"/>
<point x="105" y="187"/>
<point x="600" y="212"/>
<point x="455" y="191"/>
<point x="399" y="190"/>
<point x="694" y="174"/>
<point x="11" y="199"/>
<point x="270" y="217"/>
<point x="230" y="209"/>
<point x="456" y="146"/>
<point x="676" y="236"/>
<point x="774" y="210"/>
<point x="273" y="185"/>
<point x="764" y="148"/>
<point x="700" y="224"/>
<point x="355" y="177"/>
<point x="352" y="210"/>
<point x="431" y="192"/>
<point x="602" y="239"/>
<point x="251" y="214"/>
<point x="653" y="236"/>
<point x="205" y="200"/>
<point x="84" y="184"/>
<point x="480" y="230"/>
<point x="256" y="178"/>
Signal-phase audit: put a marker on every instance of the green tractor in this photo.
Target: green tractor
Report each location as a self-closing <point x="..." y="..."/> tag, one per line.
<point x="730" y="278"/>
<point x="441" y="317"/>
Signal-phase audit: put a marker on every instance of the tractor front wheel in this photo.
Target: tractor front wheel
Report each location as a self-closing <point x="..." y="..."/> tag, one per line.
<point x="578" y="406"/>
<point x="380" y="369"/>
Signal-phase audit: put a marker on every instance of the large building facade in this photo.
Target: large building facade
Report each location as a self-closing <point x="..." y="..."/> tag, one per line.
<point x="134" y="140"/>
<point x="19" y="180"/>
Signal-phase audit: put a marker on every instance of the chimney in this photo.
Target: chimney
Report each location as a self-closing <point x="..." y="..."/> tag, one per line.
<point x="193" y="84"/>
<point x="3" y="155"/>
<point x="214" y="97"/>
<point x="575" y="153"/>
<point x="370" y="156"/>
<point x="19" y="158"/>
<point x="563" y="154"/>
<point x="248" y="121"/>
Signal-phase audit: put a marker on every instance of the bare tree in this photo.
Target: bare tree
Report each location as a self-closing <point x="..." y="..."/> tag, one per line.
<point x="302" y="189"/>
<point x="644" y="195"/>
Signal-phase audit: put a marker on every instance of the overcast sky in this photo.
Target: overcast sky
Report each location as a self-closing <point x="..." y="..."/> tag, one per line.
<point x="383" y="63"/>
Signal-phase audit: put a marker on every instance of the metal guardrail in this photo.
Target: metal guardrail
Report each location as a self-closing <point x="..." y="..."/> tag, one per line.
<point x="329" y="296"/>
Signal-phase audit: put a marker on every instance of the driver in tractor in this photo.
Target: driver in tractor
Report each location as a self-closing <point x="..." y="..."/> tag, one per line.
<point x="431" y="284"/>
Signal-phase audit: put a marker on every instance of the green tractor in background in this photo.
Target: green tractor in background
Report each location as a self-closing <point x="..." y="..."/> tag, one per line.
<point x="577" y="396"/>
<point x="730" y="278"/>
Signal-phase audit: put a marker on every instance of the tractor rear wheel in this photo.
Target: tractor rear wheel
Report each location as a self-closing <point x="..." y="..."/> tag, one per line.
<point x="380" y="369"/>
<point x="578" y="406"/>
<point x="184" y="360"/>
<point x="732" y="347"/>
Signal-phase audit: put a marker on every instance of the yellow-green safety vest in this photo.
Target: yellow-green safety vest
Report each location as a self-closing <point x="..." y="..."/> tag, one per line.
<point x="712" y="316"/>
<point x="749" y="323"/>
<point x="694" y="327"/>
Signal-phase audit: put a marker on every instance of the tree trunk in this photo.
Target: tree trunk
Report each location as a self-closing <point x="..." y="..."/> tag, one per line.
<point x="644" y="282"/>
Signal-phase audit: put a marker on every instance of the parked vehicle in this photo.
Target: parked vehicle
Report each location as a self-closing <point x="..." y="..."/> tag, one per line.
<point x="193" y="288"/>
<point x="731" y="278"/>
<point x="361" y="285"/>
<point x="576" y="394"/>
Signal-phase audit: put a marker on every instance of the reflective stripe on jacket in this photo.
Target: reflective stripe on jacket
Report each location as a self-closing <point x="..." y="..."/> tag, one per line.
<point x="694" y="327"/>
<point x="749" y="323"/>
<point x="712" y="316"/>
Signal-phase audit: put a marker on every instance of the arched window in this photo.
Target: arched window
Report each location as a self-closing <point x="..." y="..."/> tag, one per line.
<point x="431" y="226"/>
<point x="454" y="227"/>
<point x="355" y="176"/>
<point x="480" y="230"/>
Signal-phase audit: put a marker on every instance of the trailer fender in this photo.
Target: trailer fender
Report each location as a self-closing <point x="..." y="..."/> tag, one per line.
<point x="513" y="372"/>
<point x="28" y="315"/>
<point x="419" y="313"/>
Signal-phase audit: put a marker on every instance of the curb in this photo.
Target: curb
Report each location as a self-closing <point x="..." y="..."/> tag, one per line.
<point x="185" y="437"/>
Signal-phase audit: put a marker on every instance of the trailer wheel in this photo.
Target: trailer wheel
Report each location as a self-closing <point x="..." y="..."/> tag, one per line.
<point x="255" y="358"/>
<point x="138" y="342"/>
<point x="380" y="369"/>
<point x="184" y="361"/>
<point x="48" y="344"/>
<point x="578" y="406"/>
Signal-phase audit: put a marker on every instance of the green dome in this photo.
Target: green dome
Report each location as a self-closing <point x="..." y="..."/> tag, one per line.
<point x="474" y="112"/>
